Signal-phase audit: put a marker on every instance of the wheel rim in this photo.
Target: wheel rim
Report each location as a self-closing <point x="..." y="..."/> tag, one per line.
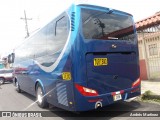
<point x="17" y="85"/>
<point x="39" y="95"/>
<point x="1" y="81"/>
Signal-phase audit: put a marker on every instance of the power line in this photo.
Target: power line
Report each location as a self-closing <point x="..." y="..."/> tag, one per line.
<point x="26" y="23"/>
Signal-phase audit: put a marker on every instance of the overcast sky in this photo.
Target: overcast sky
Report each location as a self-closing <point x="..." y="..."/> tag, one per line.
<point x="12" y="28"/>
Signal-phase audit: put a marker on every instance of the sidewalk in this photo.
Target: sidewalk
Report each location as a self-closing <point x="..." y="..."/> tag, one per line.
<point x="152" y="85"/>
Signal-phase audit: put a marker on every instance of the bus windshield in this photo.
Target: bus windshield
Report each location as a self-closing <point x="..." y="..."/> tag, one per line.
<point x="107" y="25"/>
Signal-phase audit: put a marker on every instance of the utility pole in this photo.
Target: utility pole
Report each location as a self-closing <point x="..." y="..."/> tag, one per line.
<point x="26" y="23"/>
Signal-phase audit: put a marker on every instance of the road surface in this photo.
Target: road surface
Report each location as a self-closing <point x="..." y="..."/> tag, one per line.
<point x="10" y="100"/>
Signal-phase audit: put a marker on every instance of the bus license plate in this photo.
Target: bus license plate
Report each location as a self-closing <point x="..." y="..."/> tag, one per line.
<point x="117" y="97"/>
<point x="100" y="61"/>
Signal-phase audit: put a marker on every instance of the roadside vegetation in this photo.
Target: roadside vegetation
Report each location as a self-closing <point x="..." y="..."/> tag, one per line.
<point x="150" y="97"/>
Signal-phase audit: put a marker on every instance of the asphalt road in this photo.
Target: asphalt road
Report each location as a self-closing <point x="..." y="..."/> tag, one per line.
<point x="10" y="100"/>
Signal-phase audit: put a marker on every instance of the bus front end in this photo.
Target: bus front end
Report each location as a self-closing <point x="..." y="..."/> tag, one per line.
<point x="106" y="62"/>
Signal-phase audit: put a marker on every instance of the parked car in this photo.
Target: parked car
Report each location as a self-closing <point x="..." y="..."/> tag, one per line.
<point x="6" y="75"/>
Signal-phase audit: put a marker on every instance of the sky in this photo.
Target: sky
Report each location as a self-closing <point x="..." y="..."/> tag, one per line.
<point x="12" y="27"/>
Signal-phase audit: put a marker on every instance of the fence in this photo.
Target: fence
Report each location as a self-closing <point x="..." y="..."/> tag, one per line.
<point x="154" y="65"/>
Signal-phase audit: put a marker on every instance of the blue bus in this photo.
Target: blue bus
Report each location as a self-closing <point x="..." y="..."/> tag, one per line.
<point x="85" y="58"/>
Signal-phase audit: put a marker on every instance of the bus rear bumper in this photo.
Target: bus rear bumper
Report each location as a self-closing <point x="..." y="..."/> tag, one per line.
<point x="91" y="103"/>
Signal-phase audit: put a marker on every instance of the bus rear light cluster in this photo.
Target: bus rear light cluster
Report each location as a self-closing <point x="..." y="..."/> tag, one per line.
<point x="86" y="91"/>
<point x="136" y="83"/>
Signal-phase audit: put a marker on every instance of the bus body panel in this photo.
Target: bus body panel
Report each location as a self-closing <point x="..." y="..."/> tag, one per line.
<point x="29" y="72"/>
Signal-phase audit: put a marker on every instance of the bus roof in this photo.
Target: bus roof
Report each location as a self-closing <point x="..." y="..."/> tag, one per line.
<point x="102" y="7"/>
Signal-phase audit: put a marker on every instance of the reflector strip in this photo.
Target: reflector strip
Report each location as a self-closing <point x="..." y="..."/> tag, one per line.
<point x="118" y="92"/>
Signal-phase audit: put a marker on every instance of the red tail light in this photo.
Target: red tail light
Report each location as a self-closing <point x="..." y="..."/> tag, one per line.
<point x="136" y="83"/>
<point x="86" y="91"/>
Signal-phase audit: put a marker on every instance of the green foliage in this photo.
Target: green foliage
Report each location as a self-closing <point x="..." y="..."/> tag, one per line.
<point x="149" y="96"/>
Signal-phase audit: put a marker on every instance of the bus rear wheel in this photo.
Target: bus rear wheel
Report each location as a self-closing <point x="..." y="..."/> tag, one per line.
<point x="40" y="97"/>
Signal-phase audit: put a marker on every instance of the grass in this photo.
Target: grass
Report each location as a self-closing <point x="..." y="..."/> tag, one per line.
<point x="150" y="97"/>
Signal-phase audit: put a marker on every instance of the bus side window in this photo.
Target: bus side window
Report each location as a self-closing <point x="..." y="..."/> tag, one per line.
<point x="57" y="34"/>
<point x="61" y="31"/>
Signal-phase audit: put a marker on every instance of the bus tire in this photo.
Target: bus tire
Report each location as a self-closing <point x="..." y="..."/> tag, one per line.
<point x="1" y="81"/>
<point x="40" y="98"/>
<point x="18" y="87"/>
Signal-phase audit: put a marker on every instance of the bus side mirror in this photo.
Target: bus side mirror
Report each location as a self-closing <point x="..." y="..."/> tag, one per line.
<point x="11" y="58"/>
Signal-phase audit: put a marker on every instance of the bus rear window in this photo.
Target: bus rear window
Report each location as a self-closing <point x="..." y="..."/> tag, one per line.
<point x="106" y="25"/>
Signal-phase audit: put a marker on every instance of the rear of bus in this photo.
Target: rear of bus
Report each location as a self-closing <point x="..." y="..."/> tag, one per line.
<point x="106" y="62"/>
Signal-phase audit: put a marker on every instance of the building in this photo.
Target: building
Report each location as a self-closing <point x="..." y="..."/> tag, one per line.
<point x="149" y="46"/>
